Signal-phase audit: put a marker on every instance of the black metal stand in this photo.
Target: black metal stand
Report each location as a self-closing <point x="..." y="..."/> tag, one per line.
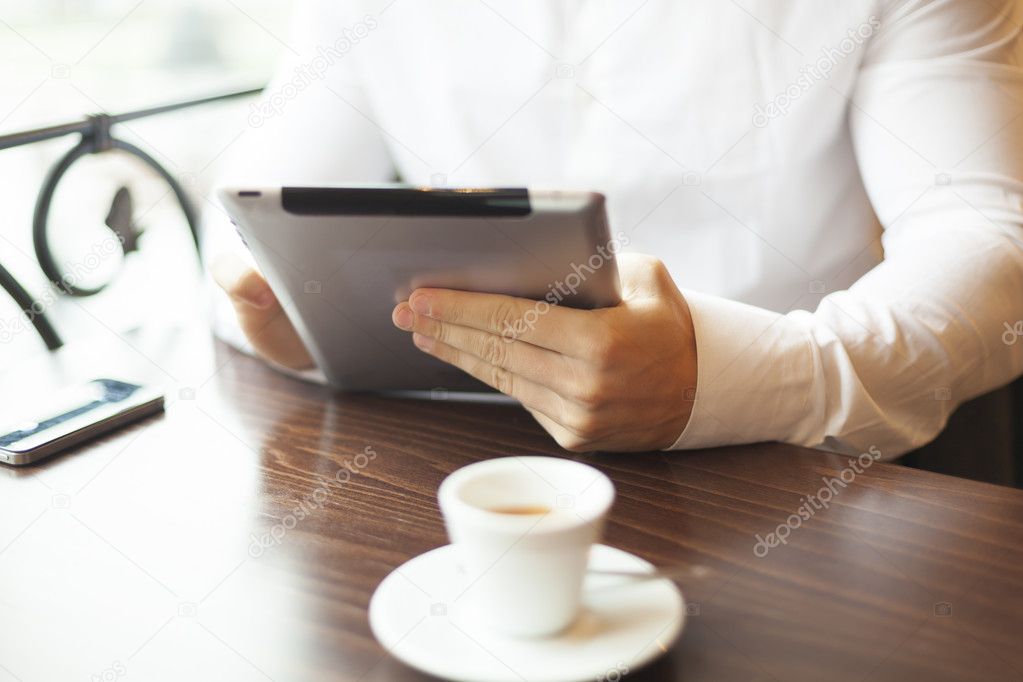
<point x="96" y="138"/>
<point x="29" y="307"/>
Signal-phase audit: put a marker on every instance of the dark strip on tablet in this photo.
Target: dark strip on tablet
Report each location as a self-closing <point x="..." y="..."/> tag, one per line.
<point x="411" y="201"/>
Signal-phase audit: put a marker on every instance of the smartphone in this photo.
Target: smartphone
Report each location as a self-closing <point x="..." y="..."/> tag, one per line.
<point x="71" y="416"/>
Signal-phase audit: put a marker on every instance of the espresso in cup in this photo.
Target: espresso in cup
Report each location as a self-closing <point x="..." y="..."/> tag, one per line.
<point x="522" y="528"/>
<point x="522" y="510"/>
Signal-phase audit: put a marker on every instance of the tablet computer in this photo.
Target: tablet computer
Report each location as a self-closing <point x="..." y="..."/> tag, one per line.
<point x="340" y="258"/>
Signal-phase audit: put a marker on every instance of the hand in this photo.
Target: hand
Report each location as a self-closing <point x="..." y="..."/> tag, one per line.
<point x="620" y="378"/>
<point x="260" y="314"/>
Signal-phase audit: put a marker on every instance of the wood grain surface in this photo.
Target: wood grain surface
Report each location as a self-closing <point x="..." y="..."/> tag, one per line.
<point x="158" y="552"/>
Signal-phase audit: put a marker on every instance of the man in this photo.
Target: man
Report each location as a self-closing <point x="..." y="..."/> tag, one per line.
<point x="834" y="191"/>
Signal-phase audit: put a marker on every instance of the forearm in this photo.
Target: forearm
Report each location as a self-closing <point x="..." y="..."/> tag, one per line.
<point x="882" y="364"/>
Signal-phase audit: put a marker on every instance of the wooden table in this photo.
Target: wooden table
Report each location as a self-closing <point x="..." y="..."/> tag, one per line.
<point x="134" y="557"/>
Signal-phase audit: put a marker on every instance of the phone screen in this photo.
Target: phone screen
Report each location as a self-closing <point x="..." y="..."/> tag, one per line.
<point x="63" y="412"/>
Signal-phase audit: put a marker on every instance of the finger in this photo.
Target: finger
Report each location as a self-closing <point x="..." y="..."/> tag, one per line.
<point x="242" y="283"/>
<point x="530" y="394"/>
<point x="539" y="365"/>
<point x="260" y="315"/>
<point x="274" y="337"/>
<point x="536" y="322"/>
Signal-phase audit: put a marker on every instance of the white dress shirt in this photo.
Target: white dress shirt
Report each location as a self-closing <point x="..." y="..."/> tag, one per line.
<point x="834" y="185"/>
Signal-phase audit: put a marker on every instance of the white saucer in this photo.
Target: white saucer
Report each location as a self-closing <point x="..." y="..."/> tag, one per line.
<point x="415" y="615"/>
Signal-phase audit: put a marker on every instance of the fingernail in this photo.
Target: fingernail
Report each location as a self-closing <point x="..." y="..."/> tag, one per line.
<point x="421" y="304"/>
<point x="424" y="343"/>
<point x="403" y="317"/>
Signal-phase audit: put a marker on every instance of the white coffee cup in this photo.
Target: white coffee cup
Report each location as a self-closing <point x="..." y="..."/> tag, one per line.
<point x="522" y="528"/>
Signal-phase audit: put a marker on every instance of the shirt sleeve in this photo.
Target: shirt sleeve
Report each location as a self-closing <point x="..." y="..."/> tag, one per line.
<point x="312" y="124"/>
<point x="937" y="125"/>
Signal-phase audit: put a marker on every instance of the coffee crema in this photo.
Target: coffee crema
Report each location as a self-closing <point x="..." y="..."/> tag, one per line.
<point x="521" y="510"/>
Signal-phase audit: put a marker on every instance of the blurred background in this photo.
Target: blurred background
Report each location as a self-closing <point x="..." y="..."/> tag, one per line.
<point x="63" y="59"/>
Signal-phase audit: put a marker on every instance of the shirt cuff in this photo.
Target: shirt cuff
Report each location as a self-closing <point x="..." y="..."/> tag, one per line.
<point x="755" y="373"/>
